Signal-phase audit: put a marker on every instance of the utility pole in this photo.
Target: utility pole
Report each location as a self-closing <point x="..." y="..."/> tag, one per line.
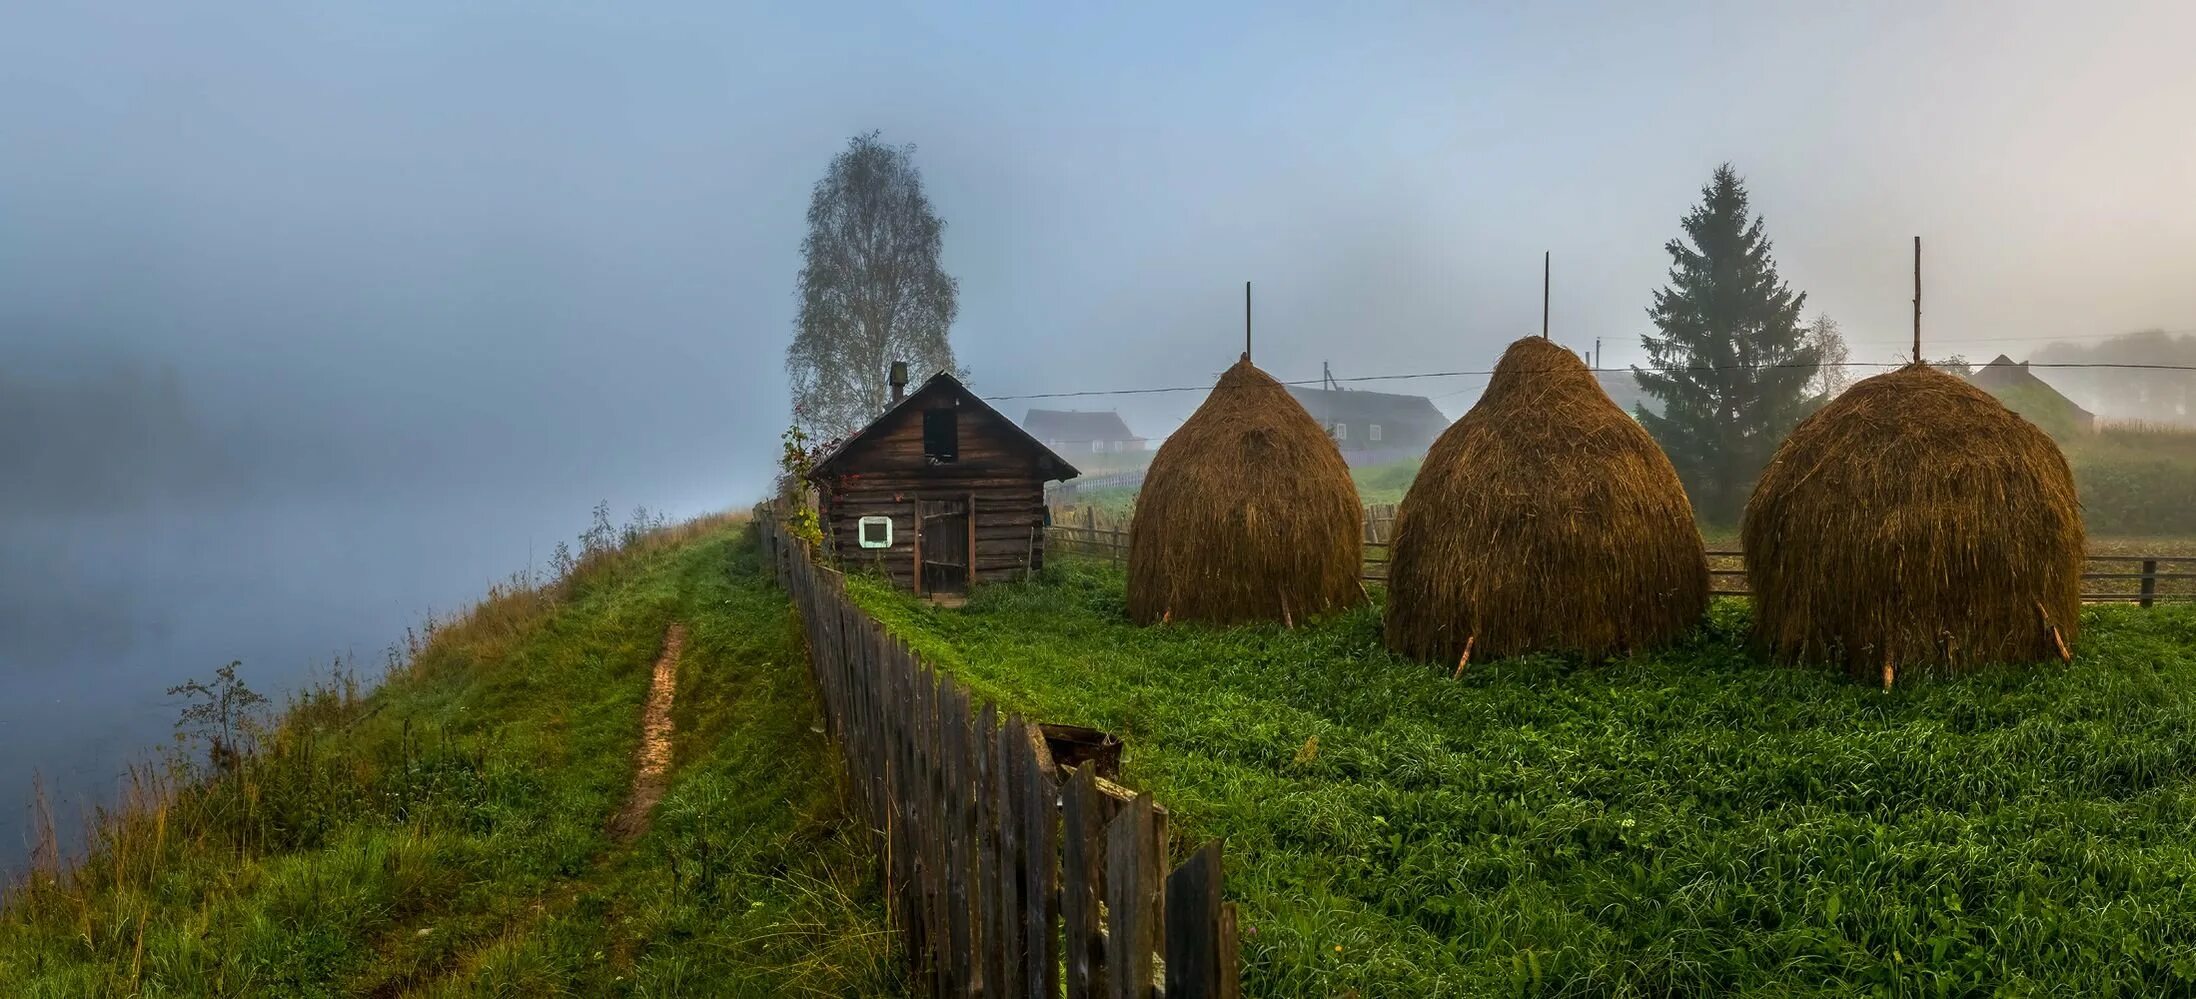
<point x="1597" y="353"/>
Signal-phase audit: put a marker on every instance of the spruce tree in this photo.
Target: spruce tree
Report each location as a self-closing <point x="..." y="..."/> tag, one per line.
<point x="1729" y="361"/>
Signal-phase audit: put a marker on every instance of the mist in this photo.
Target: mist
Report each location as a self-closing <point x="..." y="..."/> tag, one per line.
<point x="315" y="320"/>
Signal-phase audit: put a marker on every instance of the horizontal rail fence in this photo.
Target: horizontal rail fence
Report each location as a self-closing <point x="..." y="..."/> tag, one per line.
<point x="2106" y="577"/>
<point x="1006" y="873"/>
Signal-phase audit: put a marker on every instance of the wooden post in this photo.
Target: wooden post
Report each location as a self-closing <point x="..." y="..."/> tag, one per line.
<point x="2150" y="581"/>
<point x="1917" y="300"/>
<point x="918" y="547"/>
<point x="1246" y="320"/>
<point x="1544" y="294"/>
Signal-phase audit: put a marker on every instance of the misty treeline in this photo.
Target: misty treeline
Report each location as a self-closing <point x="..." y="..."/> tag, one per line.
<point x="2153" y="394"/>
<point x="102" y="437"/>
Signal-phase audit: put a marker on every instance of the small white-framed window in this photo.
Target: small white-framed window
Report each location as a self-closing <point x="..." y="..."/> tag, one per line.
<point x="1116" y="447"/>
<point x="1097" y="447"/>
<point x="1341" y="431"/>
<point x="876" y="532"/>
<point x="1372" y="433"/>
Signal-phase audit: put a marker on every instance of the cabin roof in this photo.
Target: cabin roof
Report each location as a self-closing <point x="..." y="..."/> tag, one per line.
<point x="1076" y="425"/>
<point x="940" y="384"/>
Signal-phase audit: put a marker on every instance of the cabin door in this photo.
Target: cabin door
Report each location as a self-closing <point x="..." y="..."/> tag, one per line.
<point x="946" y="545"/>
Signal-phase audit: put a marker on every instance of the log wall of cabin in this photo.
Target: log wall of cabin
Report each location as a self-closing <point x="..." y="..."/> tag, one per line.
<point x="887" y="472"/>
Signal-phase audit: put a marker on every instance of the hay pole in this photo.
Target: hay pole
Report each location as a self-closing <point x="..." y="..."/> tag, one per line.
<point x="1917" y="300"/>
<point x="1544" y="294"/>
<point x="1465" y="659"/>
<point x="1246" y="320"/>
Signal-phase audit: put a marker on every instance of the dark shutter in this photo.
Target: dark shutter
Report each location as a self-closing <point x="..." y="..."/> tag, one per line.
<point x="941" y="435"/>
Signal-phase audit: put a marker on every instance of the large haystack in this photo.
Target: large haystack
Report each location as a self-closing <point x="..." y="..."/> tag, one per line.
<point x="1915" y="522"/>
<point x="1546" y="519"/>
<point x="1247" y="513"/>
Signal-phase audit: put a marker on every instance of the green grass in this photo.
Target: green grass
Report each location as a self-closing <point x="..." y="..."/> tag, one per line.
<point x="1693" y="822"/>
<point x="2136" y="479"/>
<point x="1385" y="483"/>
<point x="445" y="836"/>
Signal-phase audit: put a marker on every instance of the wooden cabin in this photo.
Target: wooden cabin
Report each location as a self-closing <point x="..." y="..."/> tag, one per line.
<point x="940" y="491"/>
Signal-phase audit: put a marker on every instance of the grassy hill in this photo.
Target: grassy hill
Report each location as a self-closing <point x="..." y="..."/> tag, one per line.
<point x="447" y="834"/>
<point x="1694" y="822"/>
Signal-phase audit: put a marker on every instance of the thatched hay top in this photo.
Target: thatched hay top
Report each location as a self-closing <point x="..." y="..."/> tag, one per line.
<point x="1247" y="513"/>
<point x="1545" y="519"/>
<point x="1915" y="522"/>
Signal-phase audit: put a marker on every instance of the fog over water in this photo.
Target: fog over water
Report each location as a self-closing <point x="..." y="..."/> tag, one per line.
<point x="315" y="318"/>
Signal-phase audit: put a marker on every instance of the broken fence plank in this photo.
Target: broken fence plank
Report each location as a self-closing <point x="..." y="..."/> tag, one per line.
<point x="1193" y="926"/>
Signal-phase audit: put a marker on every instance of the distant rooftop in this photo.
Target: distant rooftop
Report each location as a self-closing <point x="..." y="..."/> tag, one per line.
<point x="1076" y="425"/>
<point x="1357" y="406"/>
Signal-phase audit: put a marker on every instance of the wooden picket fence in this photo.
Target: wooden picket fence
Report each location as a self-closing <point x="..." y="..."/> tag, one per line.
<point x="2144" y="580"/>
<point x="1007" y="872"/>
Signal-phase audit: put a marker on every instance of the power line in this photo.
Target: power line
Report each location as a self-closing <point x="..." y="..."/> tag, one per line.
<point x="2070" y="338"/>
<point x="1662" y="369"/>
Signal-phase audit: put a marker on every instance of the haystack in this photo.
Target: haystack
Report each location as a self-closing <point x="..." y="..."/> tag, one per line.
<point x="1247" y="513"/>
<point x="1915" y="523"/>
<point x="1544" y="520"/>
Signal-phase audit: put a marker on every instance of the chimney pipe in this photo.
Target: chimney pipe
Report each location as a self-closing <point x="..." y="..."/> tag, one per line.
<point x="899" y="380"/>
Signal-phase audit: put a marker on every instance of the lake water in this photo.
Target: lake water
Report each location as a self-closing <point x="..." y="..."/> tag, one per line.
<point x="101" y="613"/>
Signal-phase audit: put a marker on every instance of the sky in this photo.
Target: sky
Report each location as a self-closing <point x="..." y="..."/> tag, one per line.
<point x="416" y="283"/>
<point x="542" y="242"/>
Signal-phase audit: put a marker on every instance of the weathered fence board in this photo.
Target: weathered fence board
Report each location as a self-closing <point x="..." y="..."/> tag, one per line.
<point x="987" y="868"/>
<point x="1004" y="874"/>
<point x="1082" y="877"/>
<point x="1131" y="892"/>
<point x="1193" y="926"/>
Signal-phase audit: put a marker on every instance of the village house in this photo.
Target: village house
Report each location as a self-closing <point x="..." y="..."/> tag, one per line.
<point x="1072" y="431"/>
<point x="2031" y="396"/>
<point x="1373" y="426"/>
